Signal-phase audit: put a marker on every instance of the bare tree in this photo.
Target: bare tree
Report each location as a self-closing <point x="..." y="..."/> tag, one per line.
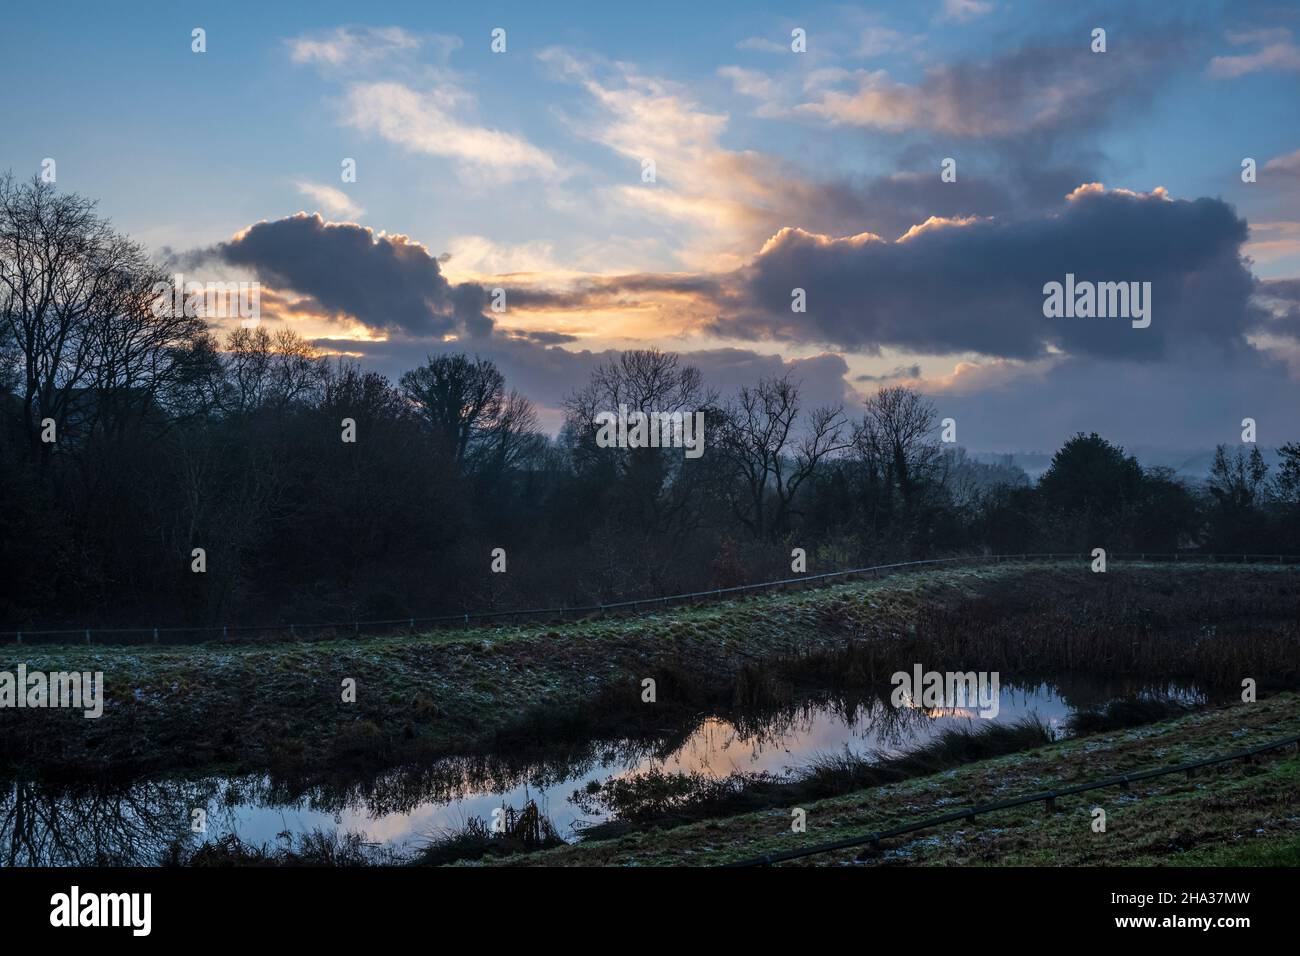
<point x="895" y="440"/>
<point x="1286" y="484"/>
<point x="655" y="491"/>
<point x="264" y="369"/>
<point x="645" y="380"/>
<point x="512" y="438"/>
<point x="771" y="453"/>
<point x="460" y="400"/>
<point x="143" y="353"/>
<point x="43" y="824"/>
<point x="83" y="322"/>
<point x="62" y="268"/>
<point x="1237" y="479"/>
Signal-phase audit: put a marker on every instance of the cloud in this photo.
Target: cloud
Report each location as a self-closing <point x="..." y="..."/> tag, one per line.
<point x="1270" y="241"/>
<point x="755" y="84"/>
<point x="334" y="201"/>
<point x="1287" y="165"/>
<point x="722" y="198"/>
<point x="350" y="46"/>
<point x="964" y="10"/>
<point x="1034" y="89"/>
<point x="879" y="41"/>
<point x="541" y="338"/>
<point x="975" y="285"/>
<point x="386" y="282"/>
<point x="426" y="123"/>
<point x="400" y="87"/>
<point x="1281" y="297"/>
<point x="1276" y="51"/>
<point x="999" y="404"/>
<point x="894" y="375"/>
<point x="890" y="205"/>
<point x="1287" y="290"/>
<point x="481" y="256"/>
<point x="762" y="45"/>
<point x="720" y="203"/>
<point x="1035" y="408"/>
<point x="955" y="285"/>
<point x="355" y="48"/>
<point x="1031" y="108"/>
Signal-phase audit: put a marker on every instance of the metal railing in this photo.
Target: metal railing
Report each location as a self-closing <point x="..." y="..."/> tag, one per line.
<point x="1047" y="796"/>
<point x="197" y="634"/>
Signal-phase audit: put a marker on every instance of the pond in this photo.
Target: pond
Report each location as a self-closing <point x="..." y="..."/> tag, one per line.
<point x="132" y="823"/>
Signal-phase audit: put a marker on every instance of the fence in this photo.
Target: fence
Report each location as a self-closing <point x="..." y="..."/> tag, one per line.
<point x="1047" y="796"/>
<point x="192" y="635"/>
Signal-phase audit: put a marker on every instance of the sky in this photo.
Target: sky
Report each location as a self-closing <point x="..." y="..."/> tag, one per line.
<point x="527" y="170"/>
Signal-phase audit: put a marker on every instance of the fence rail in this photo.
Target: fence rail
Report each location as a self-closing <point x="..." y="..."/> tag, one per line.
<point x="192" y="635"/>
<point x="1047" y="796"/>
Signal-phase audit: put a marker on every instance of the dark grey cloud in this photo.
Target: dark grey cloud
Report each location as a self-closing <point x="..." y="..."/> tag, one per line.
<point x="1282" y="299"/>
<point x="609" y="291"/>
<point x="541" y="337"/>
<point x="978" y="287"/>
<point x="385" y="282"/>
<point x="901" y="371"/>
<point x="1286" y="290"/>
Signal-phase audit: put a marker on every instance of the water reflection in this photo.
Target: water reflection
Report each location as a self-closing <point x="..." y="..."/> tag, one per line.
<point x="134" y="824"/>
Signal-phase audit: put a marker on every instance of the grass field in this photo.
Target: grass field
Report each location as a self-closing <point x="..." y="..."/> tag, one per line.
<point x="279" y="706"/>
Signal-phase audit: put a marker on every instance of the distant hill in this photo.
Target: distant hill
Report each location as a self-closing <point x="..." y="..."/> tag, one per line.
<point x="1193" y="464"/>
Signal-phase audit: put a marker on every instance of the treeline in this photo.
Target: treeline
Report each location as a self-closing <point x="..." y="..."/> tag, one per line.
<point x="131" y="435"/>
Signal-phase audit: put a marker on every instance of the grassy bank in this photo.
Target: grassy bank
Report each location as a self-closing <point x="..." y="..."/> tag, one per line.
<point x="1232" y="814"/>
<point x="244" y="707"/>
<point x="660" y="799"/>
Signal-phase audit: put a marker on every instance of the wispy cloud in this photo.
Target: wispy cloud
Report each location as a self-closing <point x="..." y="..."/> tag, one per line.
<point x="426" y="123"/>
<point x="964" y="10"/>
<point x="1270" y="241"/>
<point x="722" y="202"/>
<point x="879" y="41"/>
<point x="762" y="45"/>
<point x="1033" y="89"/>
<point x="1275" y="51"/>
<point x="334" y="201"/>
<point x="1286" y="165"/>
<point x="400" y="86"/>
<point x="352" y="47"/>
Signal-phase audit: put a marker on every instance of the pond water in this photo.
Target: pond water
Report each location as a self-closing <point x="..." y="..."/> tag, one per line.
<point x="403" y="809"/>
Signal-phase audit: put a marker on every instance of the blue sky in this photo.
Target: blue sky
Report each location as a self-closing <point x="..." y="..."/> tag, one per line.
<point x="523" y="170"/>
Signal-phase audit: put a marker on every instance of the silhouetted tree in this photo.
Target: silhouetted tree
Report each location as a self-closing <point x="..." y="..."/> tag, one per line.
<point x="1088" y="492"/>
<point x="771" y="452"/>
<point x="1238" y="487"/>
